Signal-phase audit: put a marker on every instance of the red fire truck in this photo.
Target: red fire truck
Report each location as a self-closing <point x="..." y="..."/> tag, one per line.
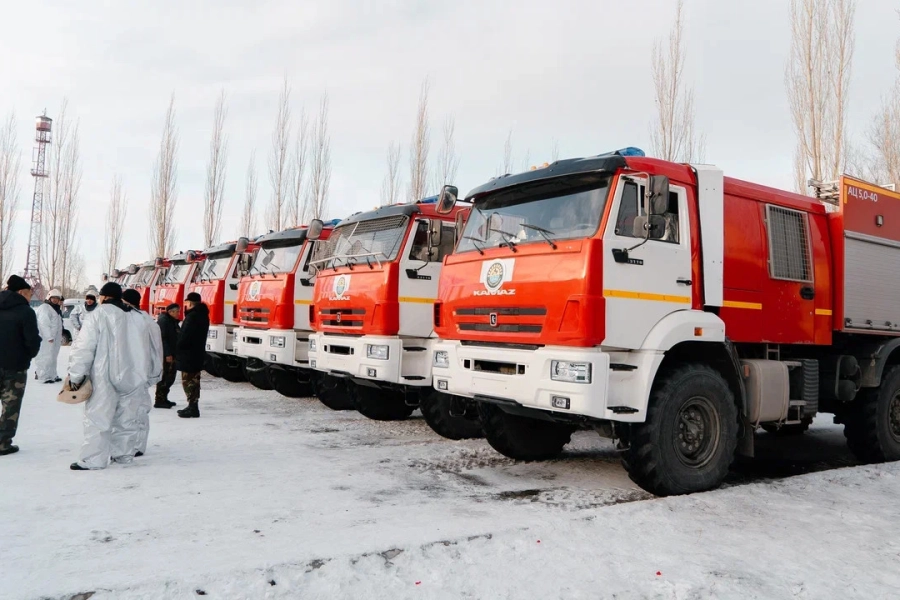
<point x="145" y="280"/>
<point x="273" y="313"/>
<point x="216" y="280"/>
<point x="673" y="309"/>
<point x="177" y="272"/>
<point x="372" y="311"/>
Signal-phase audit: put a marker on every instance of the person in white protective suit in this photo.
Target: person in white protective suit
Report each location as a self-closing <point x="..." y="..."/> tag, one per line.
<point x="50" y="326"/>
<point x="111" y="351"/>
<point x="80" y="313"/>
<point x="148" y="331"/>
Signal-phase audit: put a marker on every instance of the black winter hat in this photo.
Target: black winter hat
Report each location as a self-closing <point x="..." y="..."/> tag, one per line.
<point x="112" y="290"/>
<point x="172" y="306"/>
<point x="91" y="297"/>
<point x="193" y="297"/>
<point x="16" y="283"/>
<point x="132" y="297"/>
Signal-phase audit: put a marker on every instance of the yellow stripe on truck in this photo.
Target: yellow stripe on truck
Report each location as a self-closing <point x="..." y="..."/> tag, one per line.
<point x="646" y="296"/>
<point x="416" y="300"/>
<point x="824" y="312"/>
<point x="302" y="301"/>
<point x="747" y="305"/>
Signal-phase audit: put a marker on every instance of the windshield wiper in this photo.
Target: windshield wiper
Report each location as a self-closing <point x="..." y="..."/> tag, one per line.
<point x="507" y="237"/>
<point x="474" y="240"/>
<point x="545" y="233"/>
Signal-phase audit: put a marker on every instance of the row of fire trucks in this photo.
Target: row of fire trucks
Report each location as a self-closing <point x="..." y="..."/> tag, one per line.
<point x="662" y="305"/>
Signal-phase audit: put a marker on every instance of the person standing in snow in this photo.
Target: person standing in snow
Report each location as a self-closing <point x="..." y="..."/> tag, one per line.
<point x="80" y="313"/>
<point x="20" y="342"/>
<point x="190" y="354"/>
<point x="146" y="330"/>
<point x="111" y="352"/>
<point x="169" y="330"/>
<point x="50" y="325"/>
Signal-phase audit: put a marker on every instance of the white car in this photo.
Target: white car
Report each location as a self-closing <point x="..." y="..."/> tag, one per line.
<point x="67" y="308"/>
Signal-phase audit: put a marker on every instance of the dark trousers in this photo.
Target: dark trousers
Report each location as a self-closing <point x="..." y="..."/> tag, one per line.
<point x="12" y="389"/>
<point x="191" y="384"/>
<point x="165" y="384"/>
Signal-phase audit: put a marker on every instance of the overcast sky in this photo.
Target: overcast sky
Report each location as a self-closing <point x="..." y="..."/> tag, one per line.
<point x="573" y="71"/>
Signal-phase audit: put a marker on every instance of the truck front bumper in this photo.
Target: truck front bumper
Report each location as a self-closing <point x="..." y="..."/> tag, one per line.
<point x="280" y="346"/>
<point x="523" y="377"/>
<point x="407" y="362"/>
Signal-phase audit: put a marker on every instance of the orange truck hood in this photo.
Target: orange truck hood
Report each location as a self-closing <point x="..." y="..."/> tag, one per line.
<point x="213" y="295"/>
<point x="358" y="301"/>
<point x="167" y="294"/>
<point x="536" y="295"/>
<point x="266" y="302"/>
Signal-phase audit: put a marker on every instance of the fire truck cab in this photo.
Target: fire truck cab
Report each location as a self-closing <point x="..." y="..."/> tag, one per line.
<point x="177" y="272"/>
<point x="673" y="309"/>
<point x="217" y="280"/>
<point x="145" y="281"/>
<point x="376" y="283"/>
<point x="273" y="311"/>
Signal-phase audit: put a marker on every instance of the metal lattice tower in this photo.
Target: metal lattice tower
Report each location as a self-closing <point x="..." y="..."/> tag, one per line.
<point x="39" y="172"/>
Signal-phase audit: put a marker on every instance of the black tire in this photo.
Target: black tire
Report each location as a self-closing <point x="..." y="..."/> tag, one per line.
<point x="788" y="430"/>
<point x="435" y="407"/>
<point x="290" y="384"/>
<point x="872" y="422"/>
<point x="259" y="378"/>
<point x="232" y="370"/>
<point x="333" y="392"/>
<point x="211" y="365"/>
<point x="522" y="438"/>
<point x="689" y="439"/>
<point x="380" y="404"/>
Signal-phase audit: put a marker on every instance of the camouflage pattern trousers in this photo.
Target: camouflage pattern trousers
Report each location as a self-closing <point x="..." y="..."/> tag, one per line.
<point x="191" y="384"/>
<point x="12" y="388"/>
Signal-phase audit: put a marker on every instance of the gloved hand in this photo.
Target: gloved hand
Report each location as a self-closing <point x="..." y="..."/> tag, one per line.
<point x="73" y="387"/>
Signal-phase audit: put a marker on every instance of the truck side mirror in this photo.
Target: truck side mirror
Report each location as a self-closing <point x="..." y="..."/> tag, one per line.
<point x="656" y="201"/>
<point x="435" y="231"/>
<point x="447" y="199"/>
<point x="315" y="229"/>
<point x="242" y="245"/>
<point x="651" y="227"/>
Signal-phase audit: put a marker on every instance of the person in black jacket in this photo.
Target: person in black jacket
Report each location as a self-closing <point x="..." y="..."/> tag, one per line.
<point x="20" y="341"/>
<point x="168" y="329"/>
<point x="190" y="353"/>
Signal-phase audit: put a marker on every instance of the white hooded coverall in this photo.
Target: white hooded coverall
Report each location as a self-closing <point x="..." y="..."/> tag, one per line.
<point x="148" y="332"/>
<point x="111" y="351"/>
<point x="50" y="327"/>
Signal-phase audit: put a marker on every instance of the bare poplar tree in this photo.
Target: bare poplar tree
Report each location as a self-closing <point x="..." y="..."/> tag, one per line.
<point x="817" y="80"/>
<point x="279" y="167"/>
<point x="419" y="148"/>
<point x="554" y="151"/>
<point x="69" y="255"/>
<point x="300" y="209"/>
<point x="448" y="160"/>
<point x="673" y="135"/>
<point x="390" y="187"/>
<point x="163" y="188"/>
<point x="884" y="137"/>
<point x="10" y="162"/>
<point x="248" y="218"/>
<point x="115" y="225"/>
<point x="215" y="175"/>
<point x="526" y="160"/>
<point x="507" y="165"/>
<point x="321" y="163"/>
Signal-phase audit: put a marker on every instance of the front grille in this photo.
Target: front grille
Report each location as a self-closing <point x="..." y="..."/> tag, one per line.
<point x="506" y="328"/>
<point x="343" y="317"/>
<point x="255" y="315"/>
<point x="500" y="319"/>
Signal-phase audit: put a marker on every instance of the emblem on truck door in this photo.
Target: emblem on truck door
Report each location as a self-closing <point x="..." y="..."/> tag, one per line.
<point x="253" y="292"/>
<point x="341" y="285"/>
<point x="494" y="273"/>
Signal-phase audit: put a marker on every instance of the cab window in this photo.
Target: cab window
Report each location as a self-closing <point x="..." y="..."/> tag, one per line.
<point x="419" y="248"/>
<point x="632" y="198"/>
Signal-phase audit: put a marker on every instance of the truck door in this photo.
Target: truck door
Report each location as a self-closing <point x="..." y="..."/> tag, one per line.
<point x="656" y="280"/>
<point x="418" y="280"/>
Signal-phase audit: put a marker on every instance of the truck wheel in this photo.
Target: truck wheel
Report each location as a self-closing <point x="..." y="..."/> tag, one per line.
<point x="258" y="377"/>
<point x="435" y="407"/>
<point x="288" y="383"/>
<point x="792" y="429"/>
<point x="211" y="365"/>
<point x="689" y="438"/>
<point x="872" y="423"/>
<point x="380" y="404"/>
<point x="232" y="371"/>
<point x="333" y="392"/>
<point x="522" y="438"/>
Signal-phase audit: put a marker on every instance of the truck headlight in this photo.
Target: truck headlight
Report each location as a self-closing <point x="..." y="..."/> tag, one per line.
<point x="277" y="341"/>
<point x="213" y="334"/>
<point x="377" y="351"/>
<point x="312" y="344"/>
<point x="441" y="359"/>
<point x="563" y="370"/>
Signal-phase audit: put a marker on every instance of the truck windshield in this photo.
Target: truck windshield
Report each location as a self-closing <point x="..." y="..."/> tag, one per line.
<point x="376" y="240"/>
<point x="177" y="273"/>
<point x="277" y="260"/>
<point x="143" y="277"/>
<point x="214" y="268"/>
<point x="556" y="210"/>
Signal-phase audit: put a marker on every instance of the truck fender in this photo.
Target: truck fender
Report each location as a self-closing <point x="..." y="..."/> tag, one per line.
<point x="873" y="358"/>
<point x="684" y="326"/>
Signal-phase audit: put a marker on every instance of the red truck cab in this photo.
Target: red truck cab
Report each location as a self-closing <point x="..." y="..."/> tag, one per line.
<point x="177" y="273"/>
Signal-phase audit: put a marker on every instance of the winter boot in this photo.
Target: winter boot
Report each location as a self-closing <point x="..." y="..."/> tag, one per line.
<point x="191" y="412"/>
<point x="163" y="404"/>
<point x="76" y="467"/>
<point x="11" y="449"/>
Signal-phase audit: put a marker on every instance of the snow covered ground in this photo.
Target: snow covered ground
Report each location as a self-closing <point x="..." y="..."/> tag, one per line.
<point x="268" y="497"/>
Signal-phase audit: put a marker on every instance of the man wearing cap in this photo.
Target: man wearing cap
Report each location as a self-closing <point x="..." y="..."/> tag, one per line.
<point x="169" y="330"/>
<point x="20" y="342"/>
<point x="150" y="341"/>
<point x="110" y="352"/>
<point x="190" y="354"/>
<point x="80" y="313"/>
<point x="49" y="319"/>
